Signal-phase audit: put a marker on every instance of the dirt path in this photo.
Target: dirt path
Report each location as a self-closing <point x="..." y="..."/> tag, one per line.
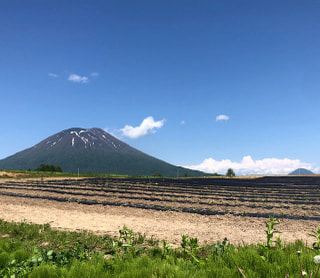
<point x="163" y="225"/>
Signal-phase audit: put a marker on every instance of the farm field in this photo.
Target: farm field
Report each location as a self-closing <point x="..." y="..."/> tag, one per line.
<point x="207" y="208"/>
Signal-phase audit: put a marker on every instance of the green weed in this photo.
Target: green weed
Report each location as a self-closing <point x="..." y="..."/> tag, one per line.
<point x="28" y="250"/>
<point x="271" y="230"/>
<point x="316" y="235"/>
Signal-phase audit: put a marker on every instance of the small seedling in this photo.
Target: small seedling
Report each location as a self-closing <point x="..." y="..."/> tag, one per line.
<point x="166" y="250"/>
<point x="270" y="231"/>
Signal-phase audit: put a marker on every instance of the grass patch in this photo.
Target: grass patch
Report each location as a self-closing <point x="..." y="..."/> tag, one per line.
<point x="24" y="174"/>
<point x="28" y="250"/>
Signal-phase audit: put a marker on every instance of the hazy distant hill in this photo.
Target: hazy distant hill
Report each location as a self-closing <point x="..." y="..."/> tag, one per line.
<point x="301" y="171"/>
<point x="92" y="151"/>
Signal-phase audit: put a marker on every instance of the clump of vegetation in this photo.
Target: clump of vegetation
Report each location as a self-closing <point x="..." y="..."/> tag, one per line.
<point x="127" y="243"/>
<point x="191" y="248"/>
<point x="28" y="250"/>
<point x="221" y="247"/>
<point x="48" y="168"/>
<point x="316" y="235"/>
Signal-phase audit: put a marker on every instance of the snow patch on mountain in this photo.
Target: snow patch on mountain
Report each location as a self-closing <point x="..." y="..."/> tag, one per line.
<point x="84" y="140"/>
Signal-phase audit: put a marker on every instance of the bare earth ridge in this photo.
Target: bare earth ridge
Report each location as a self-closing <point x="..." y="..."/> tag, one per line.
<point x="163" y="225"/>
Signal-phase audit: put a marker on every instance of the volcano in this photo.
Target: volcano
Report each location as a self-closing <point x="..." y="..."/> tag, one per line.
<point x="301" y="171"/>
<point x="92" y="151"/>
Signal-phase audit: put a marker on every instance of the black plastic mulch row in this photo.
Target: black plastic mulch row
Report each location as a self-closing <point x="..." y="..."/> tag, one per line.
<point x="165" y="208"/>
<point x="295" y="201"/>
<point x="283" y="192"/>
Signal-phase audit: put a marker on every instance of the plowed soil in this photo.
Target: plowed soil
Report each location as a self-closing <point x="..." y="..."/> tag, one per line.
<point x="163" y="225"/>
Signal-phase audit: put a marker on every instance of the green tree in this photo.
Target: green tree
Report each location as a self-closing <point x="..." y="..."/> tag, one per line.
<point x="49" y="168"/>
<point x="230" y="173"/>
<point x="58" y="169"/>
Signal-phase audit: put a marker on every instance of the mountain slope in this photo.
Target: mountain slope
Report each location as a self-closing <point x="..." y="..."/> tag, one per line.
<point x="92" y="151"/>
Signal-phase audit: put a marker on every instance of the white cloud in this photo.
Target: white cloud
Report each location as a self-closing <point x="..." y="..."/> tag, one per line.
<point x="248" y="166"/>
<point x="147" y="127"/>
<point x="222" y="118"/>
<point x="78" y="78"/>
<point x="95" y="74"/>
<point x="52" y="75"/>
<point x="182" y="122"/>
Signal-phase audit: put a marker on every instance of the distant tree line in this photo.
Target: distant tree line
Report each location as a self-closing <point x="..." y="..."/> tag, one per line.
<point x="49" y="168"/>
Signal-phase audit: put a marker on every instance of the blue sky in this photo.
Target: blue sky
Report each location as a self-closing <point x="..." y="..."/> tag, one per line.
<point x="158" y="74"/>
